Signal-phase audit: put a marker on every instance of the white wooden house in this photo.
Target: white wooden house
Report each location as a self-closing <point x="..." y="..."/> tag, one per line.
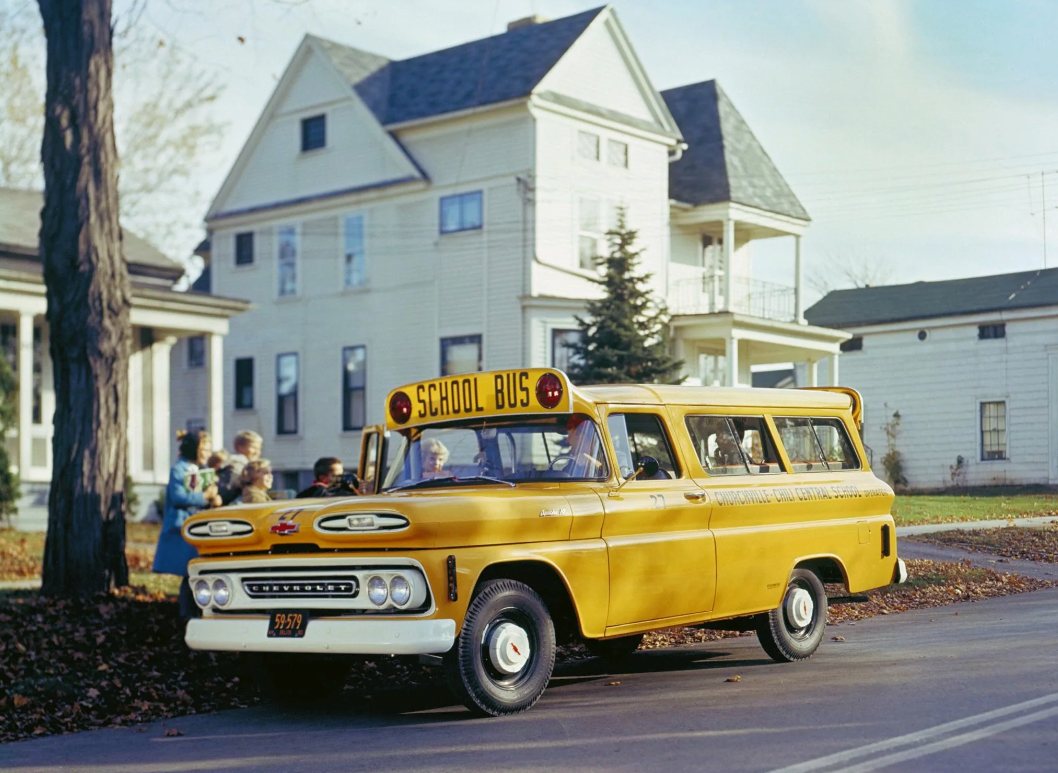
<point x="161" y="317"/>
<point x="395" y="220"/>
<point x="970" y="364"/>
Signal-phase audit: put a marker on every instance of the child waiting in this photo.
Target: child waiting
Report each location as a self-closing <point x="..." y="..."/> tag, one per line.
<point x="256" y="481"/>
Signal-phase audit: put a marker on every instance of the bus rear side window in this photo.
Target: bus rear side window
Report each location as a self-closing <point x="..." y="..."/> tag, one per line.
<point x="816" y="445"/>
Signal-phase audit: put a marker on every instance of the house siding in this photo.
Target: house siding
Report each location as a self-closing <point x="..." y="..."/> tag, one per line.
<point x="937" y="386"/>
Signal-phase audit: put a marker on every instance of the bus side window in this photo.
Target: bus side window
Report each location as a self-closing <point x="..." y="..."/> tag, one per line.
<point x="838" y="451"/>
<point x="757" y="444"/>
<point x="636" y="435"/>
<point x="718" y="449"/>
<point x="797" y="437"/>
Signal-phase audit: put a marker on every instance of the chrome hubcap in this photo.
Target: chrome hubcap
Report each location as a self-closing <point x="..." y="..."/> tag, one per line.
<point x="800" y="606"/>
<point x="508" y="648"/>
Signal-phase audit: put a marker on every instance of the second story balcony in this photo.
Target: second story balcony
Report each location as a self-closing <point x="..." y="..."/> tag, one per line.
<point x="753" y="297"/>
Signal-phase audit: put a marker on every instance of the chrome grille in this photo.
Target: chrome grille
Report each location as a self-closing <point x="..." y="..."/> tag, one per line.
<point x="301" y="587"/>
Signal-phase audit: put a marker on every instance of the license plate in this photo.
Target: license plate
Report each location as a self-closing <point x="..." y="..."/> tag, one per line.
<point x="288" y="625"/>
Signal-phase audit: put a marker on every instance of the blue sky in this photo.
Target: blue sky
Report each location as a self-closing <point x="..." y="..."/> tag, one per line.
<point x="914" y="132"/>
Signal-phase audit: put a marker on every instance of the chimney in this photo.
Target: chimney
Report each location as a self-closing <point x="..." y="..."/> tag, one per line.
<point x="528" y="21"/>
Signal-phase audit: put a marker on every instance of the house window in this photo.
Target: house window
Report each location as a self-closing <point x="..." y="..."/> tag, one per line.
<point x="993" y="430"/>
<point x="854" y="344"/>
<point x="589" y="233"/>
<point x="288" y="260"/>
<point x="588" y="145"/>
<point x="617" y="153"/>
<point x="985" y="332"/>
<point x="461" y="212"/>
<point x="354" y="381"/>
<point x="196" y="352"/>
<point x="562" y="356"/>
<point x="313" y="133"/>
<point x="287" y="394"/>
<point x="460" y="355"/>
<point x="244" y="249"/>
<point x="354" y="261"/>
<point x="244" y="383"/>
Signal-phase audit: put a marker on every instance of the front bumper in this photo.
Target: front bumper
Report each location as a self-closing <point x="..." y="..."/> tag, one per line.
<point x="326" y="636"/>
<point x="900" y="572"/>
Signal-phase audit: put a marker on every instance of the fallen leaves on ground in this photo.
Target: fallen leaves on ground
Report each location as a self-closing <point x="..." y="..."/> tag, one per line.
<point x="118" y="660"/>
<point x="1029" y="544"/>
<point x="56" y="678"/>
<point x="17" y="559"/>
<point x="21" y="552"/>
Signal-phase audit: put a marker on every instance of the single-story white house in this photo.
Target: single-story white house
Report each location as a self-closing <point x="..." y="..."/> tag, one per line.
<point x="970" y="364"/>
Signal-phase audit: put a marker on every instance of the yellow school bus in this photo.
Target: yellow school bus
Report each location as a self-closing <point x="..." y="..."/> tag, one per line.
<point x="511" y="510"/>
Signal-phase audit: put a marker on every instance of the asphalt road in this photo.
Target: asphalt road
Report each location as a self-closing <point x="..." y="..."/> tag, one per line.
<point x="966" y="688"/>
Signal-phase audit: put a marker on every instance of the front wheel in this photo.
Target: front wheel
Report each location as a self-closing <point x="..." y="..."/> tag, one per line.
<point x="795" y="630"/>
<point x="503" y="657"/>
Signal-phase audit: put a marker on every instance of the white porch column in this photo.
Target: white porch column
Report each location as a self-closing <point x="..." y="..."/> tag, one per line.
<point x="25" y="394"/>
<point x="731" y="357"/>
<point x="215" y="344"/>
<point x="813" y="373"/>
<point x="729" y="259"/>
<point x="833" y="369"/>
<point x="799" y="309"/>
<point x="159" y="375"/>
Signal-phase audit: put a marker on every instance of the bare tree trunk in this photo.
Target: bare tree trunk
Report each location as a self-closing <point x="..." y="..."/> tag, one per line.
<point x="89" y="299"/>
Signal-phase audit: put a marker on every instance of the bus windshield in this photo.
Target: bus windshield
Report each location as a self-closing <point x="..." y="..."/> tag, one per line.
<point x="505" y="450"/>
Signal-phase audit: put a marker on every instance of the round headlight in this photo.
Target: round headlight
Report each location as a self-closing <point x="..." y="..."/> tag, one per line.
<point x="202" y="594"/>
<point x="400" y="590"/>
<point x="377" y="591"/>
<point x="221" y="592"/>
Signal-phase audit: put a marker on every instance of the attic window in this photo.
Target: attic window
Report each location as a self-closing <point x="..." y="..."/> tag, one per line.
<point x="588" y="145"/>
<point x="854" y="344"/>
<point x="313" y="133"/>
<point x="992" y="331"/>
<point x="617" y="153"/>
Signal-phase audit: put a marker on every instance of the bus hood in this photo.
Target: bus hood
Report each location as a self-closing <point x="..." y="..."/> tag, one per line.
<point x="439" y="518"/>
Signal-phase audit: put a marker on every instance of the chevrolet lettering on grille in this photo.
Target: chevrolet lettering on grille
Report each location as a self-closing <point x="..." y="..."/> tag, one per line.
<point x="283" y="528"/>
<point x="300" y="588"/>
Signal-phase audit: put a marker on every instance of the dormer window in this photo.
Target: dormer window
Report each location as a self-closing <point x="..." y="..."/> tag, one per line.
<point x="313" y="133"/>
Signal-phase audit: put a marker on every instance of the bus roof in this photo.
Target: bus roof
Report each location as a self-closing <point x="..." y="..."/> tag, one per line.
<point x="721" y="397"/>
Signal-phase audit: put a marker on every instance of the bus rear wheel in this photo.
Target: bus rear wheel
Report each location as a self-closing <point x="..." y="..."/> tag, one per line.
<point x="795" y="630"/>
<point x="504" y="655"/>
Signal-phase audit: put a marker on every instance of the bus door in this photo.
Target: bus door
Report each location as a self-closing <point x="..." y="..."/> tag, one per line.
<point x="660" y="549"/>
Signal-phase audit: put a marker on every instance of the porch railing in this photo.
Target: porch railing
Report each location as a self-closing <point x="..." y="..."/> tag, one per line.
<point x="753" y="297"/>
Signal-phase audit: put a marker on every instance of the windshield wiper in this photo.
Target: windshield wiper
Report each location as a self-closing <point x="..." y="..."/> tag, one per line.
<point x="435" y="482"/>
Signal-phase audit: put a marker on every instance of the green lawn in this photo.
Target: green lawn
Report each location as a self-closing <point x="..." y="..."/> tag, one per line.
<point x="981" y="504"/>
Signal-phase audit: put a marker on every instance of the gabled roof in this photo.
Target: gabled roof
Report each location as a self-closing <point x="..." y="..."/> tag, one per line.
<point x="723" y="161"/>
<point x="929" y="300"/>
<point x="483" y="72"/>
<point x="20" y="234"/>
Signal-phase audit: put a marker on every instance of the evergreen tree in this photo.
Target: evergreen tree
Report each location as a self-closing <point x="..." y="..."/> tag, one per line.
<point x="625" y="335"/>
<point x="8" y="413"/>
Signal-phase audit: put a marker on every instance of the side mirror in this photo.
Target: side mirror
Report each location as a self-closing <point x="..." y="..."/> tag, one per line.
<point x="649" y="465"/>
